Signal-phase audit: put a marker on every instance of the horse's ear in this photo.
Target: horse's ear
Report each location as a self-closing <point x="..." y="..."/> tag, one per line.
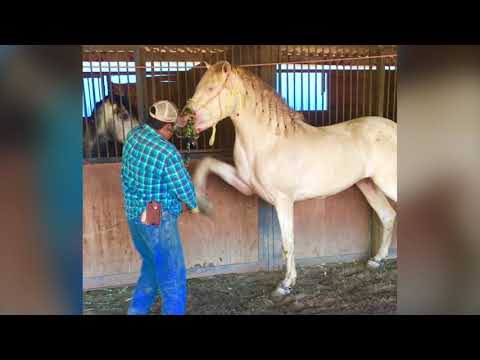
<point x="226" y="67"/>
<point x="207" y="65"/>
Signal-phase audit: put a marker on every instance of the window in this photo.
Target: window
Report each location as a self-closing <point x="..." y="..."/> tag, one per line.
<point x="122" y="72"/>
<point x="302" y="86"/>
<point x="93" y="93"/>
<point x="305" y="86"/>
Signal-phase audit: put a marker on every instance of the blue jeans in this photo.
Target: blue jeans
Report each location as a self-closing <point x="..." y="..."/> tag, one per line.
<point x="163" y="267"/>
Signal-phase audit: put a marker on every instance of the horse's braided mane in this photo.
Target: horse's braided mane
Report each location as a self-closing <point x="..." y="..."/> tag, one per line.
<point x="269" y="100"/>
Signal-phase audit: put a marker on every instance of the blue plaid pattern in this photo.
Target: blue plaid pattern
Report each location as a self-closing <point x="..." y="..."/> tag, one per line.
<point x="152" y="169"/>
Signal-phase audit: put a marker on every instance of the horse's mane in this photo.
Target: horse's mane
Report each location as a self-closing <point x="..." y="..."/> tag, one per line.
<point x="122" y="100"/>
<point x="270" y="104"/>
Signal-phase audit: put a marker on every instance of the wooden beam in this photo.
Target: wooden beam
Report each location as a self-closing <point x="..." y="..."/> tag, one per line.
<point x="380" y="84"/>
<point x="140" y="84"/>
<point x="268" y="54"/>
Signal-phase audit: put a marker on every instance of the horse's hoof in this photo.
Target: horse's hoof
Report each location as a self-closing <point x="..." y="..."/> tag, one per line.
<point x="280" y="292"/>
<point x="204" y="206"/>
<point x="374" y="264"/>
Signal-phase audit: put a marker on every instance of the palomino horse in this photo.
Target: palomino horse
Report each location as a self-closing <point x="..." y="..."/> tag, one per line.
<point x="282" y="159"/>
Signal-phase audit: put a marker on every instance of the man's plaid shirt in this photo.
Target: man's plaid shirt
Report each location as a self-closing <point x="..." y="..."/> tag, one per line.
<point x="152" y="169"/>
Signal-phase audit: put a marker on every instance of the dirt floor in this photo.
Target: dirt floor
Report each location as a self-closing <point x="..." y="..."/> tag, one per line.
<point x="321" y="289"/>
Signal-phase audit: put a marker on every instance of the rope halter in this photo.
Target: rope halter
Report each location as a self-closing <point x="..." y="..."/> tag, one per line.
<point x="230" y="101"/>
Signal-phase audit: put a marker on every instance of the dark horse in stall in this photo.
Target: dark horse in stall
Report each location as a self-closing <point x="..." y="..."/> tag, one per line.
<point x="105" y="131"/>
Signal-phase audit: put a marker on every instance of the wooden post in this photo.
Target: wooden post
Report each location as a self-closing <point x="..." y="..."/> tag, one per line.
<point x="376" y="225"/>
<point x="140" y="83"/>
<point x="270" y="234"/>
<point x="268" y="54"/>
<point x="380" y="83"/>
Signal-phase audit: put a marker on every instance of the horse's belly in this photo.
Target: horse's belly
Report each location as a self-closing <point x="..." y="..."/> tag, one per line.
<point x="329" y="177"/>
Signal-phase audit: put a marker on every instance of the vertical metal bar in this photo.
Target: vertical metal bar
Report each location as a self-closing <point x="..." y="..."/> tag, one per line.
<point x="211" y="61"/>
<point x="85" y="123"/>
<point x="370" y="79"/>
<point x="330" y="95"/>
<point x="356" y="97"/>
<point x="114" y="117"/>
<point x="364" y="92"/>
<point x="152" y="73"/>
<point x="179" y="99"/>
<point x="231" y="133"/>
<point x="325" y="93"/>
<point x="278" y="68"/>
<point x="323" y="88"/>
<point x="311" y="115"/>
<point x="395" y="85"/>
<point x="91" y="86"/>
<point x="218" y="142"/>
<point x="194" y="79"/>
<point x="257" y="60"/>
<point x="350" y="100"/>
<point x="85" y="118"/>
<point x="380" y="94"/>
<point x="148" y="83"/>
<point x="251" y="60"/>
<point x="161" y="76"/>
<point x="302" y="92"/>
<point x="288" y="76"/>
<point x="140" y="79"/>
<point x="315" y="66"/>
<point x="155" y="97"/>
<point x="101" y="90"/>
<point x="389" y="84"/>
<point x="228" y="133"/>
<point x="128" y="92"/>
<point x="119" y="86"/>
<point x="169" y="86"/>
<point x="337" y="71"/>
<point x="344" y="75"/>
<point x="301" y="88"/>
<point x="295" y="67"/>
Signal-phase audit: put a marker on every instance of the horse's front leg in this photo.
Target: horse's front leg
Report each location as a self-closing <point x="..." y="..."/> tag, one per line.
<point x="225" y="171"/>
<point x="284" y="209"/>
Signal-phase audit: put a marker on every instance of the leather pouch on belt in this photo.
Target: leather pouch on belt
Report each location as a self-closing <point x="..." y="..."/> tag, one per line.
<point x="154" y="213"/>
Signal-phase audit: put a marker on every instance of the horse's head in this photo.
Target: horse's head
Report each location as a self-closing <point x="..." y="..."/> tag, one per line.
<point x="214" y="97"/>
<point x="118" y="117"/>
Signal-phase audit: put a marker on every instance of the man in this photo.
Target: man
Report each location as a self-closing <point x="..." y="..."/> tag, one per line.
<point x="152" y="169"/>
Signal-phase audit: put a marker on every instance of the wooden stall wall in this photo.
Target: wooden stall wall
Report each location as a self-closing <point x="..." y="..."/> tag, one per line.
<point x="332" y="227"/>
<point x="227" y="242"/>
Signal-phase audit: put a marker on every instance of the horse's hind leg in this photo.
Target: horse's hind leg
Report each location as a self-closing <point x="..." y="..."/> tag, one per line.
<point x="284" y="209"/>
<point x="379" y="202"/>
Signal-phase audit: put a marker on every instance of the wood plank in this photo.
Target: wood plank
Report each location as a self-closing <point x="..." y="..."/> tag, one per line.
<point x="333" y="226"/>
<point x="229" y="237"/>
<point x="129" y="279"/>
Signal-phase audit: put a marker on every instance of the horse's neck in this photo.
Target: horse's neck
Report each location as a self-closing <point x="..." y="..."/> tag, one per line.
<point x="252" y="135"/>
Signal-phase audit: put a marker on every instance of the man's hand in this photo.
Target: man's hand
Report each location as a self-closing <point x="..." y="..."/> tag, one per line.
<point x="195" y="211"/>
